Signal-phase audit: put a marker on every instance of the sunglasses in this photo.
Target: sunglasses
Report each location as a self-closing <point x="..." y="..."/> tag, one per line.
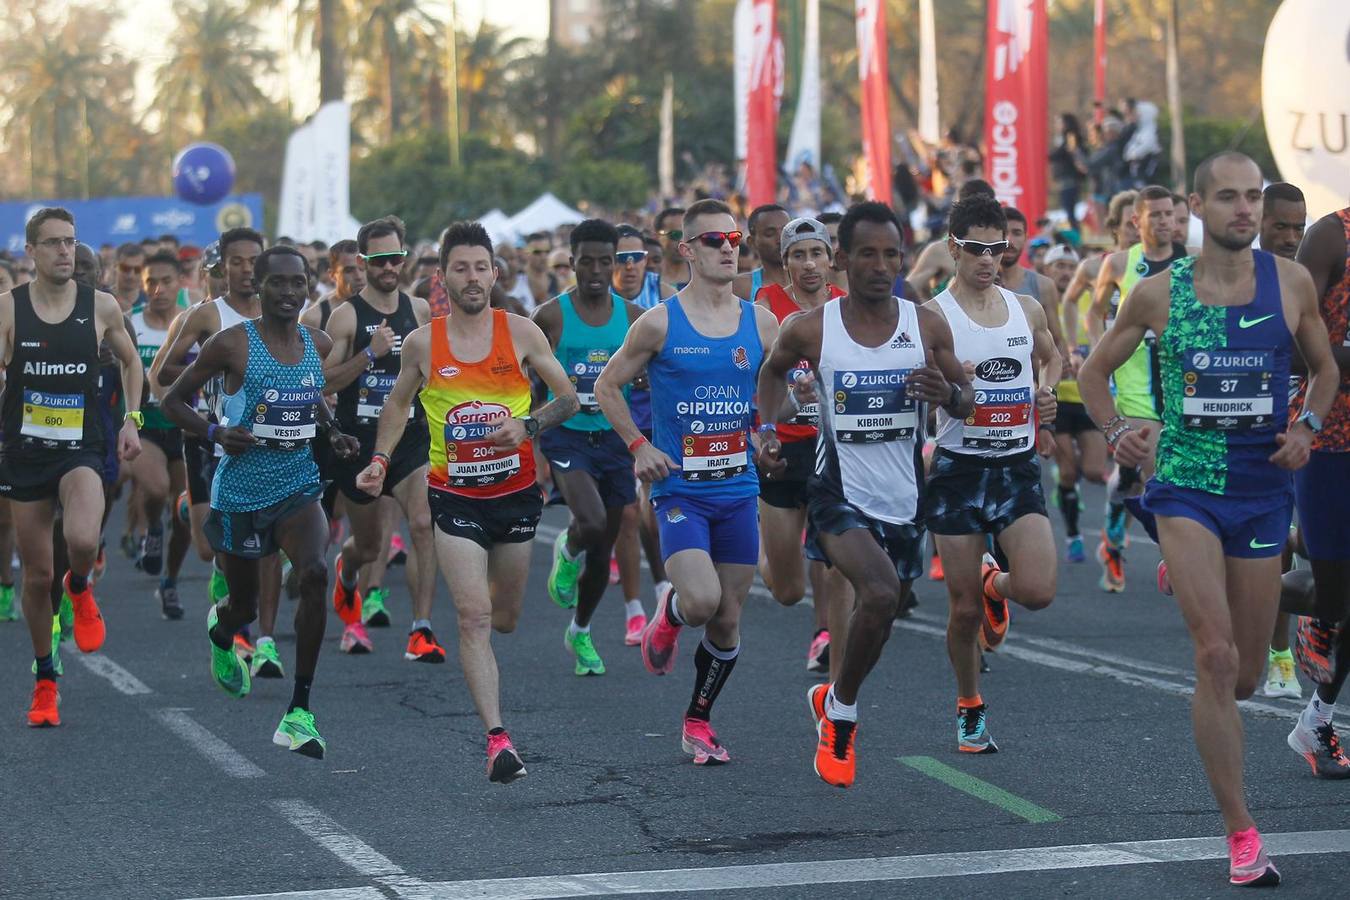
<point x="626" y="257"/>
<point x="674" y="234"/>
<point x="978" y="248"/>
<point x="385" y="260"/>
<point x="715" y="239"/>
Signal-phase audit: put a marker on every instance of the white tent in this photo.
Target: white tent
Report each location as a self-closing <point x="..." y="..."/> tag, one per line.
<point x="498" y="225"/>
<point x="546" y="213"/>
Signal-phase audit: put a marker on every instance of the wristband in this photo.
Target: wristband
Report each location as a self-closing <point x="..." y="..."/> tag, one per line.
<point x="633" y="447"/>
<point x="370" y="356"/>
<point x="1112" y="423"/>
<point x="381" y="460"/>
<point x="211" y="430"/>
<point x="767" y="426"/>
<point x="1114" y="437"/>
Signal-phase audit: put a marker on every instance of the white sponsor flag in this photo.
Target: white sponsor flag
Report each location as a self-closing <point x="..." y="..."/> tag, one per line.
<point x="929" y="129"/>
<point x="296" y="217"/>
<point x="316" y="183"/>
<point x="804" y="142"/>
<point x="743" y="36"/>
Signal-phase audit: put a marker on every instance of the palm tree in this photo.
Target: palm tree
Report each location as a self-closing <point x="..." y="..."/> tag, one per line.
<point x="488" y="61"/>
<point x="381" y="29"/>
<point x="215" y="64"/>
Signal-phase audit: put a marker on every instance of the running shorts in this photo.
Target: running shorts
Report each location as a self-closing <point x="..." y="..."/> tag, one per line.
<point x="1072" y="419"/>
<point x="170" y="440"/>
<point x="727" y="530"/>
<point x="252" y="534"/>
<point x="1247" y="527"/>
<point x="511" y="519"/>
<point x="600" y="454"/>
<point x="787" y="490"/>
<point x="410" y="454"/>
<point x="906" y="545"/>
<point x="28" y="475"/>
<point x="976" y="495"/>
<point x="1322" y="489"/>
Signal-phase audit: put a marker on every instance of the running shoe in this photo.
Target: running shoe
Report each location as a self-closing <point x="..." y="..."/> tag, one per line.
<point x="835" y="762"/>
<point x="398" y="552"/>
<point x="266" y="662"/>
<point x="169" y="605"/>
<point x="562" y="578"/>
<point x="1074" y="552"/>
<point x="818" y="654"/>
<point x="152" y="550"/>
<point x="1164" y="583"/>
<point x="346" y="601"/>
<point x="298" y="734"/>
<point x="423" y="647"/>
<point x="1280" y="678"/>
<point x="661" y="640"/>
<point x="580" y="645"/>
<point x="7" y="613"/>
<point x="972" y="732"/>
<point x="373" y="611"/>
<point x="100" y="561"/>
<point x="218" y="589"/>
<point x="1248" y="864"/>
<point x="935" y="572"/>
<point x="88" y="621"/>
<point x="632" y="635"/>
<point x="46" y="698"/>
<point x="65" y="614"/>
<point x="996" y="613"/>
<point x="908" y="604"/>
<point x="243" y="649"/>
<point x="1116" y="520"/>
<point x="355" y="640"/>
<point x="816" y="695"/>
<point x="503" y="762"/>
<point x="1113" y="566"/>
<point x="227" y="668"/>
<point x="1321" y="747"/>
<point x="1312" y="649"/>
<point x="700" y="741"/>
<point x="613" y="570"/>
<point x="56" y="650"/>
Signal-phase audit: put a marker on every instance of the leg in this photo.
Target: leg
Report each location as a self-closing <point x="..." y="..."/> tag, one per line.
<point x="1331" y="580"/>
<point x="1031" y="577"/>
<point x="781" y="542"/>
<point x="33" y="529"/>
<point x="464" y="564"/>
<point x="651" y="538"/>
<point x="150" y="474"/>
<point x="961" y="556"/>
<point x="628" y="552"/>
<point x="697" y="586"/>
<point x="411" y="494"/>
<point x="817" y="574"/>
<point x="180" y="534"/>
<point x="269" y="594"/>
<point x="841" y="602"/>
<point x="82" y="505"/>
<point x="592" y="532"/>
<point x="860" y="559"/>
<point x="303" y="537"/>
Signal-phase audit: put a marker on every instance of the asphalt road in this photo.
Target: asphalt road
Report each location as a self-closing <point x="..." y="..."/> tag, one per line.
<point x="157" y="785"/>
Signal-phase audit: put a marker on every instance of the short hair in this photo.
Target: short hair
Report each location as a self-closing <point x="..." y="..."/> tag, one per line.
<point x="465" y="234"/>
<point x="705" y="207"/>
<point x="760" y="211"/>
<point x="830" y="218"/>
<point x="539" y="236"/>
<point x="340" y="249"/>
<point x="428" y="259"/>
<point x="282" y="241"/>
<point x="1152" y="192"/>
<point x="319" y="245"/>
<point x="128" y="250"/>
<point x="171" y="238"/>
<point x="1283" y="190"/>
<point x="381" y="227"/>
<point x="1204" y="173"/>
<point x="1182" y="199"/>
<point x="975" y="187"/>
<point x="263" y="265"/>
<point x="162" y="258"/>
<point x="630" y="231"/>
<point x="243" y="234"/>
<point x="977" y="211"/>
<point x="868" y="211"/>
<point x="1013" y="214"/>
<point x="1115" y="210"/>
<point x="596" y="231"/>
<point x="666" y="214"/>
<point x="651" y="240"/>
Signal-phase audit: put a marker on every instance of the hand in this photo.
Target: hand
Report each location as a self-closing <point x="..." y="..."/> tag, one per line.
<point x="1045" y="442"/>
<point x="129" y="442"/>
<point x="769" y="458"/>
<point x="509" y="435"/>
<point x="382" y="339"/>
<point x="804" y="389"/>
<point x="235" y="440"/>
<point x="1294" y="448"/>
<point x="1132" y="447"/>
<point x="371" y="479"/>
<point x="1075" y="363"/>
<point x="344" y="445"/>
<point x="1046" y="406"/>
<point x="651" y="464"/>
<point x="927" y="383"/>
<point x="969" y="368"/>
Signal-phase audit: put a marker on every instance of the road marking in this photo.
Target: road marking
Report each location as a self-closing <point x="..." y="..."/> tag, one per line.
<point x="980" y="790"/>
<point x="356" y="893"/>
<point x="121" y="679"/>
<point x="207" y="744"/>
<point x="347" y="847"/>
<point x="836" y="871"/>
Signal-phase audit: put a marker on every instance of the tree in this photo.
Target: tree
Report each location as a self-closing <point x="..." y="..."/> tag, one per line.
<point x="216" y="61"/>
<point x="380" y="41"/>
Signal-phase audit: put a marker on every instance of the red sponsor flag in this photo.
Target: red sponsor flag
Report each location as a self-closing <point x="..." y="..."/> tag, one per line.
<point x="875" y="84"/>
<point x="766" y="72"/>
<point x="1099" y="61"/>
<point x="1016" y="101"/>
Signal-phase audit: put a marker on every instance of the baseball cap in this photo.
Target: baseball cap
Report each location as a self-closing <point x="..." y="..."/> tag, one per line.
<point x="801" y="229"/>
<point x="1058" y="252"/>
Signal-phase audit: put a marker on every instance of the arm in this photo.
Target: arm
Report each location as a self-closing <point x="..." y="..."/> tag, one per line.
<point x="1050" y="304"/>
<point x="343" y="445"/>
<point x="549" y="319"/>
<point x="943" y="380"/>
<point x="929" y="266"/>
<point x="798" y="339"/>
<point x="536" y="353"/>
<point x="121" y="341"/>
<point x="1101" y="297"/>
<point x="1323" y="254"/>
<point x="312" y="315"/>
<point x="1044" y="353"/>
<point x="643" y="342"/>
<point x="188" y="329"/>
<point x="421" y="310"/>
<point x="1073" y="294"/>
<point x="412" y="376"/>
<point x="217" y="357"/>
<point x="1312" y="341"/>
<point x="340" y="366"/>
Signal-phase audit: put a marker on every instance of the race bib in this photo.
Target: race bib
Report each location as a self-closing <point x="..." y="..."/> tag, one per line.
<point x="807" y="413"/>
<point x="1227" y="390"/>
<point x="370" y="399"/>
<point x="999" y="420"/>
<point x="53" y="417"/>
<point x="582" y="370"/>
<point x="714" y="457"/>
<point x="286" y="419"/>
<point x="470" y="459"/>
<point x="873" y="407"/>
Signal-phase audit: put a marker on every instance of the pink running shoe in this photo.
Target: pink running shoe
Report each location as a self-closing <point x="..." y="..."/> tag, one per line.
<point x="700" y="742"/>
<point x="633" y="633"/>
<point x="355" y="640"/>
<point x="661" y="640"/>
<point x="1248" y="864"/>
<point x="1164" y="583"/>
<point x="503" y="762"/>
<point x="818" y="654"/>
<point x="398" y="552"/>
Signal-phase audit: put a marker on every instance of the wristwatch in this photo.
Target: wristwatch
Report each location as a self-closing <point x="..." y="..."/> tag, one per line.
<point x="136" y="416"/>
<point x="531" y="425"/>
<point x="1313" y="420"/>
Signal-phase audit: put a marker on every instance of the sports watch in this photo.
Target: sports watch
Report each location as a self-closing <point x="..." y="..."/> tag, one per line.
<point x="1313" y="420"/>
<point x="531" y="425"/>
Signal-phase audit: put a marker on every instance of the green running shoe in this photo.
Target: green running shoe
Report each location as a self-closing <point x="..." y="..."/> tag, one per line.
<point x="67" y="618"/>
<point x="218" y="589"/>
<point x="562" y="578"/>
<point x="228" y="669"/>
<point x="373" y="611"/>
<point x="266" y="662"/>
<point x="56" y="650"/>
<point x="580" y="645"/>
<point x="298" y="734"/>
<point x="7" y="613"/>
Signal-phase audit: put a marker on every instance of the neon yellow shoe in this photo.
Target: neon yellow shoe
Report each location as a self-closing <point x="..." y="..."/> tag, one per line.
<point x="298" y="734"/>
<point x="562" y="578"/>
<point x="7" y="613"/>
<point x="581" y="646"/>
<point x="227" y="668"/>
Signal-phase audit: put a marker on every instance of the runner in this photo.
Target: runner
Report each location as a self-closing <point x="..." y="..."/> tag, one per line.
<point x="265" y="493"/>
<point x="469" y="369"/>
<point x="985" y="478"/>
<point x="1015" y="277"/>
<point x="1221" y="492"/>
<point x="877" y="358"/>
<point x="53" y="446"/>
<point x="368" y="332"/>
<point x="591" y="468"/>
<point x="1137" y="388"/>
<point x="702" y="350"/>
<point x="934" y="267"/>
<point x="673" y="268"/>
<point x="765" y="225"/>
<point x="838" y="277"/>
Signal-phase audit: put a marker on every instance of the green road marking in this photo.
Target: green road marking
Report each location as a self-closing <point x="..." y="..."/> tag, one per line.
<point x="981" y="790"/>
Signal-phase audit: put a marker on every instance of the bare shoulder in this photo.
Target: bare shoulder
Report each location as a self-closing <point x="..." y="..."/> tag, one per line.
<point x="322" y="342"/>
<point x="934" y="307"/>
<point x="1294" y="276"/>
<point x="1033" y="310"/>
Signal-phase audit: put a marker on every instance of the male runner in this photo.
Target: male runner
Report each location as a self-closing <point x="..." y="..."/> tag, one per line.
<point x="837" y="276"/>
<point x="264" y="497"/>
<point x="591" y="467"/>
<point x="765" y="224"/>
<point x="1227" y="322"/>
<point x="877" y="358"/>
<point x="702" y="350"/>
<point x="1138" y="392"/>
<point x="1322" y="491"/>
<point x="53" y="446"/>
<point x="368" y="332"/>
<point x="674" y="269"/>
<point x="934" y="268"/>
<point x="1015" y="277"/>
<point x="469" y="369"/>
<point x="127" y="278"/>
<point x="985" y="478"/>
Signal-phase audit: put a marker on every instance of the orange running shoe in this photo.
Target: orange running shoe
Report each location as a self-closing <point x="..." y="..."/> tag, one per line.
<point x="423" y="647"/>
<point x="995" y="626"/>
<point x="46" y="698"/>
<point x="347" y="603"/>
<point x="835" y="761"/>
<point x="89" y="628"/>
<point x="242" y="648"/>
<point x="935" y="572"/>
<point x="815" y="698"/>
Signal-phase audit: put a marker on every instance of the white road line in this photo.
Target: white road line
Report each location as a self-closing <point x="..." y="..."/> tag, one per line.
<point x="356" y="893"/>
<point x="347" y="847"/>
<point x="835" y="871"/>
<point x="121" y="679"/>
<point x="216" y="751"/>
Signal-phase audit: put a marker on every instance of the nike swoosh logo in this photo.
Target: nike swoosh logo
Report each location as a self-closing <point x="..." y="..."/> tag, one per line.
<point x="564" y="465"/>
<point x="1256" y="545"/>
<point x="1244" y="322"/>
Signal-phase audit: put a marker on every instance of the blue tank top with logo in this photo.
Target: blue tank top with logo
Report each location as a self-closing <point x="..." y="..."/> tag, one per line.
<point x="583" y="351"/>
<point x="703" y="406"/>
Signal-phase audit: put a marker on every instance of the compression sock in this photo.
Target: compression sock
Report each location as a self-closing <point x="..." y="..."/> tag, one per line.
<point x="712" y="667"/>
<point x="1068" y="508"/>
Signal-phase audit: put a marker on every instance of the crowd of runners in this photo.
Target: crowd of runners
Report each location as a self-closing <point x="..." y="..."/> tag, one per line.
<point x="836" y="420"/>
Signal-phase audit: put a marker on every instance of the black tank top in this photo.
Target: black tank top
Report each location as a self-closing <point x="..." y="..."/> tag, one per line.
<point x="360" y="402"/>
<point x="51" y="394"/>
<point x="325" y="313"/>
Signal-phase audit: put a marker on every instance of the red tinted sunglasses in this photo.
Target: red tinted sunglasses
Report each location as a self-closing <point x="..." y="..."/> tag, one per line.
<point x="715" y="239"/>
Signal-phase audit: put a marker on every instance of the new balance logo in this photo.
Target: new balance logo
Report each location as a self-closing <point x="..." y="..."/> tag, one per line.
<point x="253" y="542"/>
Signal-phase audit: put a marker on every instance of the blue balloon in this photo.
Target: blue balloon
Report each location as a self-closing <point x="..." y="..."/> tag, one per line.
<point x="203" y="173"/>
